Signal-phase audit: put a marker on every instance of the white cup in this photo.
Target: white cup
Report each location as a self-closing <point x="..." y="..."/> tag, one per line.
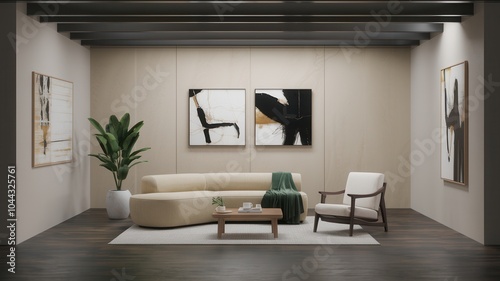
<point x="247" y="205"/>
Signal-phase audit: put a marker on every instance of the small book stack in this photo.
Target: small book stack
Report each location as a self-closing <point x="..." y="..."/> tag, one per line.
<point x="250" y="210"/>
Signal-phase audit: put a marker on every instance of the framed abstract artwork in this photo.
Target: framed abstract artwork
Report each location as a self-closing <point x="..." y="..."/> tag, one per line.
<point x="52" y="120"/>
<point x="454" y="123"/>
<point x="216" y="117"/>
<point x="283" y="117"/>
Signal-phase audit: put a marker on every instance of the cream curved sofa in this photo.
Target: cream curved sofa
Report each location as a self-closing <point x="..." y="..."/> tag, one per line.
<point x="185" y="199"/>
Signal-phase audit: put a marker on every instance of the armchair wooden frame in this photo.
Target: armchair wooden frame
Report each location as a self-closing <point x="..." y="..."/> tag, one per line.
<point x="352" y="219"/>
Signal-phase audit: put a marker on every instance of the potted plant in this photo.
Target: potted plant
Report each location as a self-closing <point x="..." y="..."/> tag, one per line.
<point x="117" y="141"/>
<point x="219" y="202"/>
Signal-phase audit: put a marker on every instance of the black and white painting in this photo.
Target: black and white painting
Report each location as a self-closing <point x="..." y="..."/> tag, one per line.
<point x="283" y="117"/>
<point x="52" y="120"/>
<point x="454" y="123"/>
<point x="216" y="117"/>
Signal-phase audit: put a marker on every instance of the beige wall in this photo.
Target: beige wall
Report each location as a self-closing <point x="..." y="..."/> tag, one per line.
<point x="50" y="195"/>
<point x="458" y="207"/>
<point x="361" y="117"/>
<point x="367" y="113"/>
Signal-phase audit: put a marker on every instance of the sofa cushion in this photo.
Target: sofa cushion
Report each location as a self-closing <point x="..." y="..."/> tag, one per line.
<point x="363" y="183"/>
<point x="171" y="209"/>
<point x="244" y="181"/>
<point x="173" y="183"/>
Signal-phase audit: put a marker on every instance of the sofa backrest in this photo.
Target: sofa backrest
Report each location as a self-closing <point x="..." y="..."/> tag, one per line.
<point x="211" y="182"/>
<point x="244" y="181"/>
<point x="173" y="183"/>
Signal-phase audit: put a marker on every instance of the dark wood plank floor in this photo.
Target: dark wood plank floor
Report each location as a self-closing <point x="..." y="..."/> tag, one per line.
<point x="415" y="248"/>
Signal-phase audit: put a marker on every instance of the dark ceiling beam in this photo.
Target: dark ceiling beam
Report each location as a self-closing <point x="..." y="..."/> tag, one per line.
<point x="246" y="43"/>
<point x="249" y="19"/>
<point x="223" y="8"/>
<point x="144" y="27"/>
<point x="250" y="22"/>
<point x="246" y="35"/>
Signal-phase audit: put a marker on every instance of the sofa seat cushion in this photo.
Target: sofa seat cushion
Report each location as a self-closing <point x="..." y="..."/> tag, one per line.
<point x="235" y="198"/>
<point x="171" y="209"/>
<point x="341" y="210"/>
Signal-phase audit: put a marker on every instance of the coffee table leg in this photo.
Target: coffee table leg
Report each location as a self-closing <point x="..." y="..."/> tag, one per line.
<point x="274" y="223"/>
<point x="221" y="228"/>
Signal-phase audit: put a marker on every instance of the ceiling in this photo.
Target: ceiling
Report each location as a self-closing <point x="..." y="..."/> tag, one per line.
<point x="250" y="23"/>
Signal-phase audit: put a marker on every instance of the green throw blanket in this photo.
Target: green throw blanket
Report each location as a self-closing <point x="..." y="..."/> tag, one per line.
<point x="283" y="194"/>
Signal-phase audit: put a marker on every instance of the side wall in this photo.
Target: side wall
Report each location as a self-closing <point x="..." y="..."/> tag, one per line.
<point x="458" y="207"/>
<point x="49" y="195"/>
<point x="361" y="111"/>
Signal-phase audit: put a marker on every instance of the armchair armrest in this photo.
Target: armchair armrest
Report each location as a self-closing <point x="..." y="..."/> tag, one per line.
<point x="356" y="196"/>
<point x="380" y="190"/>
<point x="325" y="193"/>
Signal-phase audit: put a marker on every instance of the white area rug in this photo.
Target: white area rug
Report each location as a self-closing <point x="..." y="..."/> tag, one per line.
<point x="249" y="233"/>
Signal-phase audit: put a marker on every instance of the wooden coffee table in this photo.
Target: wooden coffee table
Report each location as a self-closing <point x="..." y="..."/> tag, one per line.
<point x="267" y="214"/>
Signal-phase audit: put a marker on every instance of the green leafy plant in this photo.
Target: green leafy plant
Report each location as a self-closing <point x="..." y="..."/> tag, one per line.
<point x="117" y="141"/>
<point x="217" y="201"/>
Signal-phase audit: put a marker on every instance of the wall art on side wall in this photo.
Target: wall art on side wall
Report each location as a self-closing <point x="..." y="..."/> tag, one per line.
<point x="283" y="117"/>
<point x="216" y="117"/>
<point x="52" y="120"/>
<point x="454" y="123"/>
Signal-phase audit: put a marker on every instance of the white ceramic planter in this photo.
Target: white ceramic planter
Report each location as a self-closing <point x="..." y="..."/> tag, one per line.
<point x="117" y="204"/>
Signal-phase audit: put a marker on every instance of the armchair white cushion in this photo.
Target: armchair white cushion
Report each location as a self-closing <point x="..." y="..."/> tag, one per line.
<point x="345" y="211"/>
<point x="364" y="193"/>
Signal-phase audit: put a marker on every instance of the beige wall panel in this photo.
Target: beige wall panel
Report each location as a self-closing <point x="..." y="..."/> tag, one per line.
<point x="155" y="99"/>
<point x="345" y="89"/>
<point x="292" y="68"/>
<point x="199" y="68"/>
<point x="112" y="82"/>
<point x="367" y="117"/>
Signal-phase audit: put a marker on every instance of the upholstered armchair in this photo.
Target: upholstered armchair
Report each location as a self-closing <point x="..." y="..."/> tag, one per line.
<point x="363" y="202"/>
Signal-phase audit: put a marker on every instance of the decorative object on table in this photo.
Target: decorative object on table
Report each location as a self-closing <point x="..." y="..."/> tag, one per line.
<point x="117" y="141"/>
<point x="219" y="203"/>
<point x="52" y="140"/>
<point x="283" y="117"/>
<point x="283" y="194"/>
<point x="251" y="209"/>
<point x="217" y="117"/>
<point x="454" y="123"/>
